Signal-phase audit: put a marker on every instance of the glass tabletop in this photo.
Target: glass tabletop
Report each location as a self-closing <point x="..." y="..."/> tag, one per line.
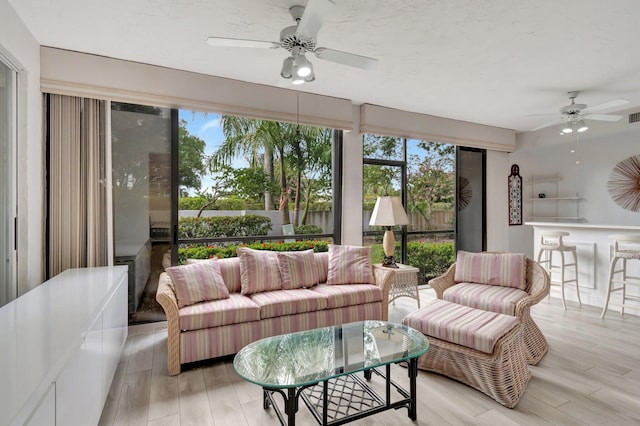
<point x="308" y="357"/>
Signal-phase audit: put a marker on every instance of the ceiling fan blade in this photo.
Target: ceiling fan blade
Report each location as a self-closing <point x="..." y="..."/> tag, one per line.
<point x="315" y="13"/>
<point x="606" y="105"/>
<point x="239" y="42"/>
<point x="602" y="117"/>
<point x="548" y="124"/>
<point x="345" y="58"/>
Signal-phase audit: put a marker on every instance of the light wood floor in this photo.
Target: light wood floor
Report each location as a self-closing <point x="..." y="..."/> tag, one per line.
<point x="591" y="375"/>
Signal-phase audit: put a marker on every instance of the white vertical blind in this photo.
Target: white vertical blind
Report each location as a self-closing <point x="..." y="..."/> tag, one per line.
<point x="77" y="193"/>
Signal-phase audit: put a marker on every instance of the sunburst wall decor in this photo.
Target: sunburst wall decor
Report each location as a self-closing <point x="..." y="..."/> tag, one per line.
<point x="464" y="193"/>
<point x="624" y="184"/>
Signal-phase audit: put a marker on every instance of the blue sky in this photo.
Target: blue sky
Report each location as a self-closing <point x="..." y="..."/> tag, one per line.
<point x="206" y="126"/>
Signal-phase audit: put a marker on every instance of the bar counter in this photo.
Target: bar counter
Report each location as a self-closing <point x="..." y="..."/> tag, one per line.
<point x="594" y="255"/>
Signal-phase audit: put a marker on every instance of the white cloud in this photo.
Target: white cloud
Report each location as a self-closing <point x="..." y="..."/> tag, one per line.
<point x="211" y="124"/>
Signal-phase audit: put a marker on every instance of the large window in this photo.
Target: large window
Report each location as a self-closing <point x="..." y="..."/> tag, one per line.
<point x="245" y="181"/>
<point x="8" y="210"/>
<point x="422" y="174"/>
<point x="141" y="146"/>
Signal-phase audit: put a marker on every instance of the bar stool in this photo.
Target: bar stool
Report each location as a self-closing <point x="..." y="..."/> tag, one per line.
<point x="550" y="242"/>
<point x="631" y="251"/>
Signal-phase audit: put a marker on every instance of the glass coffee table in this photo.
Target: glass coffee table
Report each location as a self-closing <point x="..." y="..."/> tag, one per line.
<point x="320" y="367"/>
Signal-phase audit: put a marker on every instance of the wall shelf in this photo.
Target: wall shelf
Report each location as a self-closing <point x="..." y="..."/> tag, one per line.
<point x="555" y="206"/>
<point x="554" y="198"/>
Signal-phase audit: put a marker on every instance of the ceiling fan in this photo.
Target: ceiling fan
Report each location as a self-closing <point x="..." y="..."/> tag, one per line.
<point x="299" y="39"/>
<point x="572" y="116"/>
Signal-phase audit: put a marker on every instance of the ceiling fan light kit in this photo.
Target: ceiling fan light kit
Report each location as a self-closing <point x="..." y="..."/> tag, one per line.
<point x="572" y="116"/>
<point x="298" y="40"/>
<point x="579" y="126"/>
<point x="287" y="68"/>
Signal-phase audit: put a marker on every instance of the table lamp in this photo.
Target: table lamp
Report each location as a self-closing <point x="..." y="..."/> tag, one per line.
<point x="388" y="212"/>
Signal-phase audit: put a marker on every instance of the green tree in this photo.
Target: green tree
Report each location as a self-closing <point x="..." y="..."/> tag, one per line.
<point x="261" y="142"/>
<point x="250" y="184"/>
<point x="310" y="161"/>
<point x="317" y="178"/>
<point x="430" y="178"/>
<point x="385" y="147"/>
<point x="248" y="138"/>
<point x="192" y="164"/>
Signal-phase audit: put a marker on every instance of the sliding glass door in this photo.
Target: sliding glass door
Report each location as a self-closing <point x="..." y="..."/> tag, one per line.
<point x="471" y="220"/>
<point x="141" y="152"/>
<point x="8" y="210"/>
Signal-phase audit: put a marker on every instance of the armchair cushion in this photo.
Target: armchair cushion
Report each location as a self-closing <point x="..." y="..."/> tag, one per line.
<point x="486" y="297"/>
<point x="500" y="269"/>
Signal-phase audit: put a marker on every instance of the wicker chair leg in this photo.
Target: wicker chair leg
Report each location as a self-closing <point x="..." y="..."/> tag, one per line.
<point x="536" y="345"/>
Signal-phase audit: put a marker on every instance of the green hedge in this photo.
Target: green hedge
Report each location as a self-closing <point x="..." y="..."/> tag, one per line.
<point x="210" y="252"/>
<point x="223" y="226"/>
<point x="231" y="203"/>
<point x="308" y="229"/>
<point x="433" y="259"/>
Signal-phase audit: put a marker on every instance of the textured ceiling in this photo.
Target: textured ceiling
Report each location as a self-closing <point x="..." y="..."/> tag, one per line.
<point x="493" y="62"/>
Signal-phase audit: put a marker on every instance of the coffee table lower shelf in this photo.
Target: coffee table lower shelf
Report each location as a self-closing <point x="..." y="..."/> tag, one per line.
<point x="345" y="398"/>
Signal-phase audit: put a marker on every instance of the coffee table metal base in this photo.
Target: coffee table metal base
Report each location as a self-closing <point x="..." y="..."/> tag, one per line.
<point x="354" y="398"/>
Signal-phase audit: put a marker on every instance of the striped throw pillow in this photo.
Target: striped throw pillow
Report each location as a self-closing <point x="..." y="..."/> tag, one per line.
<point x="298" y="269"/>
<point x="349" y="265"/>
<point x="198" y="282"/>
<point x="503" y="269"/>
<point x="259" y="271"/>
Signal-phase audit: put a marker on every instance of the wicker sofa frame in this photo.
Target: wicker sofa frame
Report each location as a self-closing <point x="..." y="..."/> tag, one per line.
<point x="537" y="287"/>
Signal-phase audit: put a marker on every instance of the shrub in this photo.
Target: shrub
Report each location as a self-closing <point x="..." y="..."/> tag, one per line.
<point x="308" y="229"/>
<point x="223" y="226"/>
<point x="210" y="252"/>
<point x="191" y="203"/>
<point x="231" y="203"/>
<point x="433" y="259"/>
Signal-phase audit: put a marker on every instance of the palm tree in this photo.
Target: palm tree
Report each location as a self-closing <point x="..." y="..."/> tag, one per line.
<point x="260" y="141"/>
<point x="257" y="141"/>
<point x="243" y="137"/>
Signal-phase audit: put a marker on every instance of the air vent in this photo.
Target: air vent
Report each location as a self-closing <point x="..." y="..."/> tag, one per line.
<point x="634" y="118"/>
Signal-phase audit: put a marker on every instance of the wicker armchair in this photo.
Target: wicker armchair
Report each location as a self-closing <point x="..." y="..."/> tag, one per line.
<point x="537" y="288"/>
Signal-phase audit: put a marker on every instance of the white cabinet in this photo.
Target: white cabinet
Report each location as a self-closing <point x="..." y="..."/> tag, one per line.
<point x="61" y="343"/>
<point x="45" y="412"/>
<point x="547" y="203"/>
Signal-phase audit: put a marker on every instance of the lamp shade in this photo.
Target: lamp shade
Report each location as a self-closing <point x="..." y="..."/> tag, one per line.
<point x="388" y="211"/>
<point x="581" y="126"/>
<point x="567" y="128"/>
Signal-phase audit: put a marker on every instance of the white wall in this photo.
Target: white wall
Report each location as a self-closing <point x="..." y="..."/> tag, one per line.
<point x="584" y="163"/>
<point x="498" y="169"/>
<point x="598" y="151"/>
<point x="17" y="42"/>
<point x="352" y="183"/>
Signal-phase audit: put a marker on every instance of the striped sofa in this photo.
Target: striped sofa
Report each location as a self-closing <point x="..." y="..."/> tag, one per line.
<point x="213" y="328"/>
<point x="505" y="283"/>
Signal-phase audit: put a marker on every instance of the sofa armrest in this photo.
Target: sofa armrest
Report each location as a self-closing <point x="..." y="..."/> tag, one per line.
<point x="383" y="277"/>
<point x="443" y="282"/>
<point x="166" y="297"/>
<point x="538" y="284"/>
